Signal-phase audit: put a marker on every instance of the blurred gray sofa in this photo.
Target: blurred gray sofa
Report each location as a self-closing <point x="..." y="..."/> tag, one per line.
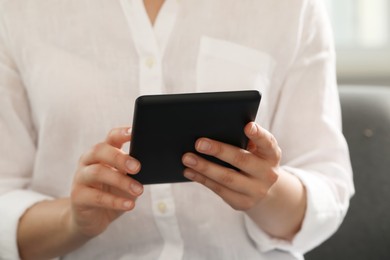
<point x="365" y="232"/>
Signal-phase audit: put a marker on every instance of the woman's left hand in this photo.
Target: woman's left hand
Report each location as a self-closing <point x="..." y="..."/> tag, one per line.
<point x="258" y="167"/>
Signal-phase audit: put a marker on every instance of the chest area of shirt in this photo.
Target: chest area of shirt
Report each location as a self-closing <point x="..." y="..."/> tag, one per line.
<point x="116" y="60"/>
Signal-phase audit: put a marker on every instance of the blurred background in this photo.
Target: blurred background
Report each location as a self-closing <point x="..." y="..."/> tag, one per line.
<point x="362" y="34"/>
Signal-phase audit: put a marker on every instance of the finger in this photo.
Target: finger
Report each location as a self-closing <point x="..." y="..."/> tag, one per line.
<point x="239" y="158"/>
<point x="118" y="136"/>
<point x="99" y="198"/>
<point x="100" y="174"/>
<point x="262" y="142"/>
<point x="106" y="154"/>
<point x="236" y="181"/>
<point x="236" y="200"/>
<point x="224" y="176"/>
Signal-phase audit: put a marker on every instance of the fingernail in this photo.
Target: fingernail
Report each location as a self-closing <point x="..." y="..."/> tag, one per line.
<point x="204" y="145"/>
<point x="132" y="165"/>
<point x="189" y="174"/>
<point x="127" y="204"/>
<point x="127" y="131"/>
<point x="137" y="189"/>
<point x="253" y="130"/>
<point x="189" y="160"/>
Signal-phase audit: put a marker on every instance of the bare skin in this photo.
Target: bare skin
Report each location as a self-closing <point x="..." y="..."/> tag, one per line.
<point x="273" y="198"/>
<point x="101" y="192"/>
<point x="152" y="8"/>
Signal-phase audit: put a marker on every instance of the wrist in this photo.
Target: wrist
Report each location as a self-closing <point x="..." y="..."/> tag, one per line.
<point x="73" y="233"/>
<point x="282" y="211"/>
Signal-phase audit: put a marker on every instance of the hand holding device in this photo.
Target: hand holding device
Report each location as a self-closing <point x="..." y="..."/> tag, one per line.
<point x="257" y="168"/>
<point x="101" y="191"/>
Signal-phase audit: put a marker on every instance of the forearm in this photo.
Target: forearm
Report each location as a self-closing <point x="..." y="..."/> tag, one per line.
<point x="101" y="192"/>
<point x="45" y="231"/>
<point x="282" y="211"/>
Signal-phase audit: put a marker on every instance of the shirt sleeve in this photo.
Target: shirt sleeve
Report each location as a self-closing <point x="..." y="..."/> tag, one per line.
<point x="307" y="125"/>
<point x="17" y="151"/>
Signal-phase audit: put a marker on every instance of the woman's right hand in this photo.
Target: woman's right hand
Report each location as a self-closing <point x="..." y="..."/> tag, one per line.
<point x="101" y="189"/>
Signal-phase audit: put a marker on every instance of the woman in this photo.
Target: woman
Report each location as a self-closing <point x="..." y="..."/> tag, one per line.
<point x="69" y="74"/>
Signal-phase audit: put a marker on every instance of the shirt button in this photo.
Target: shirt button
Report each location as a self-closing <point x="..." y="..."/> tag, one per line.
<point x="162" y="207"/>
<point x="150" y="62"/>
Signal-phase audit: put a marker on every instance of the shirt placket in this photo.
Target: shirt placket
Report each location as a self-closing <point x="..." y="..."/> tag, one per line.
<point x="149" y="53"/>
<point x="150" y="44"/>
<point x="163" y="207"/>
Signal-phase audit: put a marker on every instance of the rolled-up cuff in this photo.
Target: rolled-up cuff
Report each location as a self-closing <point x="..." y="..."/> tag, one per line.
<point x="12" y="206"/>
<point x="322" y="217"/>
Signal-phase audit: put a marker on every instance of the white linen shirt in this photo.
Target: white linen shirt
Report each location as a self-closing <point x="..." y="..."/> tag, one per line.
<point x="70" y="71"/>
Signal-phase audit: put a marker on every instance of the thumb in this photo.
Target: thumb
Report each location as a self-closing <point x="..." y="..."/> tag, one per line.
<point x="262" y="143"/>
<point x="118" y="136"/>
